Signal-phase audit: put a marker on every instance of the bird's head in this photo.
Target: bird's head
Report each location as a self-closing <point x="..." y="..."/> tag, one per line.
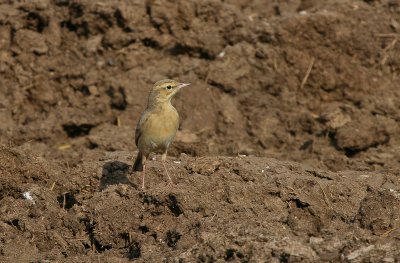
<point x="164" y="90"/>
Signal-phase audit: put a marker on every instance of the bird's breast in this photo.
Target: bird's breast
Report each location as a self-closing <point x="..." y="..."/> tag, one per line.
<point x="160" y="128"/>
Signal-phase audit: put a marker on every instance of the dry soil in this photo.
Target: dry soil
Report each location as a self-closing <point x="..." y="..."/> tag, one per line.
<point x="288" y="148"/>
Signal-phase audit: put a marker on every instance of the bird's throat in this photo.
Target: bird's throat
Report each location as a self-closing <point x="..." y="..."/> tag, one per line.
<point x="160" y="105"/>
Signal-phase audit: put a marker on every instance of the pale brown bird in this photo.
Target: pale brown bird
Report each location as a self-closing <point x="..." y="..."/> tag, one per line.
<point x="158" y="124"/>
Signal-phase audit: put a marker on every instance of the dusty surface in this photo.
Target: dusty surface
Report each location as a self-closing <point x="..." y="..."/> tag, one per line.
<point x="309" y="87"/>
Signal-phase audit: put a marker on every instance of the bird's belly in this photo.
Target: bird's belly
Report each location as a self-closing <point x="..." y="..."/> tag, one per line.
<point x="160" y="133"/>
<point x="159" y="140"/>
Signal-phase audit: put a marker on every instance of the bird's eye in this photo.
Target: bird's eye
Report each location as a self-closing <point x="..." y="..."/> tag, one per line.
<point x="169" y="87"/>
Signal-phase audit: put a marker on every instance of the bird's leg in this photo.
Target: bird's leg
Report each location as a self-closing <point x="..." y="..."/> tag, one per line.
<point x="144" y="170"/>
<point x="143" y="175"/>
<point x="163" y="158"/>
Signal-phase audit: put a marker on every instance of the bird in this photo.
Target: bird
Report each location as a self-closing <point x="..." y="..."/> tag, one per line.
<point x="157" y="125"/>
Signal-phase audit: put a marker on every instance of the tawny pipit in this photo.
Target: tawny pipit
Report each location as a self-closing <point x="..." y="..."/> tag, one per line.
<point x="158" y="124"/>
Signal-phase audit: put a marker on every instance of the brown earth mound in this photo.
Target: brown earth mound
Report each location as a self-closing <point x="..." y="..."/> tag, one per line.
<point x="246" y="209"/>
<point x="312" y="82"/>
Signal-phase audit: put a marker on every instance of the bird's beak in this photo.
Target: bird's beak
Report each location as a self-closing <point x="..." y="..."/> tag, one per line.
<point x="181" y="85"/>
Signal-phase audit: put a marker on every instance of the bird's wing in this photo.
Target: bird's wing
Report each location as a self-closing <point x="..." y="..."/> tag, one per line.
<point x="138" y="132"/>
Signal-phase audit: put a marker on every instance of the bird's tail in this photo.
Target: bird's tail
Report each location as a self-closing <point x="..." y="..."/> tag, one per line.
<point x="138" y="166"/>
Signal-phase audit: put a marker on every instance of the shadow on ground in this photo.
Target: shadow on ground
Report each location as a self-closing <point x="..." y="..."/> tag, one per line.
<point x="115" y="172"/>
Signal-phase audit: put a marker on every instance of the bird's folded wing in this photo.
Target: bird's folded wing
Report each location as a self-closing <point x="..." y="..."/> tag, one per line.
<point x="138" y="132"/>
